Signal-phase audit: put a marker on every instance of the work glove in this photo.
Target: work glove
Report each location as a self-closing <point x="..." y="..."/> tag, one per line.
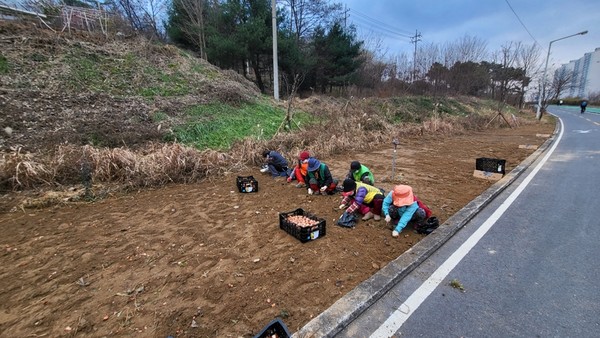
<point x="289" y="179"/>
<point x="388" y="218"/>
<point x="323" y="188"/>
<point x="310" y="191"/>
<point x="342" y="206"/>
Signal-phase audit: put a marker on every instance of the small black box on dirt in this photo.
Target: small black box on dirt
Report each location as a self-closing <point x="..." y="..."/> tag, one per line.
<point x="247" y="184"/>
<point x="302" y="225"/>
<point x="492" y="165"/>
<point x="276" y="328"/>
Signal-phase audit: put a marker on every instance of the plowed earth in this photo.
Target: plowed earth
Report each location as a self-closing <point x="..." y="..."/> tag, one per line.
<point x="204" y="260"/>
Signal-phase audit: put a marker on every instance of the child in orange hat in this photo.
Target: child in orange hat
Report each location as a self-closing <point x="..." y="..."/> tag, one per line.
<point x="401" y="207"/>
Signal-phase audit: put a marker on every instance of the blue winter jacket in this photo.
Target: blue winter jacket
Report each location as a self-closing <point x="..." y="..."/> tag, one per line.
<point x="406" y="212"/>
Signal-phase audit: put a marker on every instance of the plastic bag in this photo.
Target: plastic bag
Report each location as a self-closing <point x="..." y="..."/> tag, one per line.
<point x="347" y="220"/>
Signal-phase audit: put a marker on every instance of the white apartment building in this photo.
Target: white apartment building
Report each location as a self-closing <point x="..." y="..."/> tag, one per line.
<point x="586" y="71"/>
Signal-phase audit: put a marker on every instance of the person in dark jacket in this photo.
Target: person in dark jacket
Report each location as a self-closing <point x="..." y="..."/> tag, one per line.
<point x="319" y="179"/>
<point x="276" y="164"/>
<point x="583" y="105"/>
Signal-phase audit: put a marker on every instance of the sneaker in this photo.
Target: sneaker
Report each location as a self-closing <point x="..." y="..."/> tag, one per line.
<point x="367" y="216"/>
<point x="264" y="169"/>
<point x="299" y="185"/>
<point x="377" y="217"/>
<point x="395" y="233"/>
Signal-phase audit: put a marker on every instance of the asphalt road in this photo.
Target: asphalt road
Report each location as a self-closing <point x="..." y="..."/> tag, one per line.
<point x="522" y="262"/>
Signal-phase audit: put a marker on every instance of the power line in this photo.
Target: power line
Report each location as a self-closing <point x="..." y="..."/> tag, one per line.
<point x="522" y="24"/>
<point x="386" y="32"/>
<point x="380" y="24"/>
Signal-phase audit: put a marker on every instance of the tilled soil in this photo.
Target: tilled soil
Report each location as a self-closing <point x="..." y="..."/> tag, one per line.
<point x="204" y="260"/>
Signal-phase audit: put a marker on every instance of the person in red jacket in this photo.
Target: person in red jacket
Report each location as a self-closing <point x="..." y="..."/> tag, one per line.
<point x="300" y="170"/>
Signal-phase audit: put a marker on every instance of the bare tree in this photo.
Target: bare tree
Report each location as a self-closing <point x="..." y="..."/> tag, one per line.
<point x="506" y="57"/>
<point x="192" y="25"/>
<point x="467" y="48"/>
<point x="428" y="55"/>
<point x="144" y="16"/>
<point x="594" y="96"/>
<point x="403" y="67"/>
<point x="563" y="80"/>
<point x="289" y="115"/>
<point x="306" y="15"/>
<point x="528" y="58"/>
<point x="372" y="72"/>
<point x="153" y="14"/>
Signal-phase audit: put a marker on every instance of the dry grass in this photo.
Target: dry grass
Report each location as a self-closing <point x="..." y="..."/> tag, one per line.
<point x="343" y="126"/>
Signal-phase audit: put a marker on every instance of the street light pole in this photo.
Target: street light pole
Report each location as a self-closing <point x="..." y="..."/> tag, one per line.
<point x="542" y="92"/>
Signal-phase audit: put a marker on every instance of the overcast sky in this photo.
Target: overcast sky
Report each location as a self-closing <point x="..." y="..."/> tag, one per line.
<point x="493" y="21"/>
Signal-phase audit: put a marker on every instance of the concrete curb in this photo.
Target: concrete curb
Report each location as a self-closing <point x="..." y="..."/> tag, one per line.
<point x="350" y="306"/>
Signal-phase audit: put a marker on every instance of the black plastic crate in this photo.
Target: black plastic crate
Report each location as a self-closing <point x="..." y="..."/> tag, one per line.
<point x="247" y="184"/>
<point x="303" y="234"/>
<point x="492" y="165"/>
<point x="275" y="328"/>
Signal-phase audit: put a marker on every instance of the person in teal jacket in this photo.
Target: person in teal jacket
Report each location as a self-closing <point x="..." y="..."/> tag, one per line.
<point x="361" y="173"/>
<point x="401" y="207"/>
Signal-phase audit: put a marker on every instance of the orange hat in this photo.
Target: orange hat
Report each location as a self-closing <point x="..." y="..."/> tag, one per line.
<point x="402" y="195"/>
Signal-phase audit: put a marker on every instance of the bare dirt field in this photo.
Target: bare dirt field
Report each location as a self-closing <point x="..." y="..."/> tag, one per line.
<point x="204" y="260"/>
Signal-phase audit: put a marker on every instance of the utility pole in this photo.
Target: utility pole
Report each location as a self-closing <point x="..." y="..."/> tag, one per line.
<point x="275" y="65"/>
<point x="346" y="10"/>
<point x="415" y="39"/>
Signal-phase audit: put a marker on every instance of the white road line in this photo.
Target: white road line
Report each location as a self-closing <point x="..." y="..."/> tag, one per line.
<point x="406" y="309"/>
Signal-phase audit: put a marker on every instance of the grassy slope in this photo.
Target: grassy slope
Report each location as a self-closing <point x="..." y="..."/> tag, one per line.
<point x="180" y="98"/>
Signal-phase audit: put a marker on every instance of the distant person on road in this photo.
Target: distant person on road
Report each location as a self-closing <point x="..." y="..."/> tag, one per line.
<point x="276" y="164"/>
<point x="583" y="105"/>
<point x="360" y="173"/>
<point x="361" y="197"/>
<point x="300" y="170"/>
<point x="401" y="206"/>
<point x="319" y="179"/>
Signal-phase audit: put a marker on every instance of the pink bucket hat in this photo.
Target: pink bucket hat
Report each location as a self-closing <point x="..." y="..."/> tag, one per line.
<point x="402" y="195"/>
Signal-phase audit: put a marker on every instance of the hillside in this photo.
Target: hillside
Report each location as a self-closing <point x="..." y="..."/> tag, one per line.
<point x="57" y="89"/>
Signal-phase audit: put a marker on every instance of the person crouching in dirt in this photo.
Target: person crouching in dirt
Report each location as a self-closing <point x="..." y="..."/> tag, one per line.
<point x="319" y="179"/>
<point x="360" y="173"/>
<point x="276" y="164"/>
<point x="400" y="207"/>
<point x="300" y="170"/>
<point x="362" y="197"/>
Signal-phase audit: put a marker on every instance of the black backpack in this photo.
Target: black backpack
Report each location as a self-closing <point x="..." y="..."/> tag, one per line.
<point x="428" y="226"/>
